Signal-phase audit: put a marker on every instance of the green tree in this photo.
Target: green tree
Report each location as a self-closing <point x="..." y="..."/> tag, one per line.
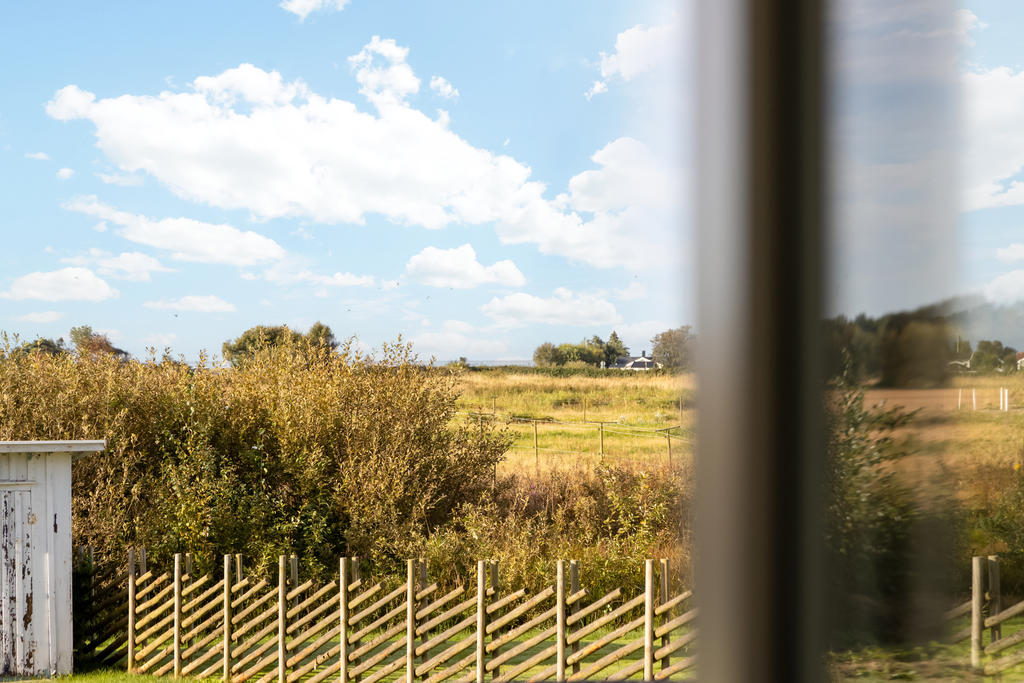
<point x="614" y="349"/>
<point x="673" y="348"/>
<point x="548" y="355"/>
<point x="88" y="343"/>
<point x="238" y="351"/>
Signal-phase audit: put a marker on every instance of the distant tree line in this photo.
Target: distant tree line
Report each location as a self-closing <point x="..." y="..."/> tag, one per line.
<point x="672" y="348"/>
<point x="915" y="349"/>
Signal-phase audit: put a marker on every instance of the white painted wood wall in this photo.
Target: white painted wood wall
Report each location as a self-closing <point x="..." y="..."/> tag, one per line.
<point x="35" y="555"/>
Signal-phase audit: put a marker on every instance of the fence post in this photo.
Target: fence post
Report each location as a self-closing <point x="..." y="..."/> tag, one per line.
<point x="995" y="599"/>
<point x="238" y="567"/>
<point x="668" y="442"/>
<point x="177" y="615"/>
<point x="574" y="588"/>
<point x="282" y="611"/>
<point x="663" y="598"/>
<point x="494" y="591"/>
<point x="410" y="621"/>
<point x="560" y="622"/>
<point x="131" y="610"/>
<point x="345" y="573"/>
<point x="227" y="618"/>
<point x="481" y="619"/>
<point x="648" y="620"/>
<point x="293" y="566"/>
<point x="188" y="564"/>
<point x="142" y="560"/>
<point x="423" y="584"/>
<point x="977" y="621"/>
<point x="536" y="451"/>
<point x="357" y="575"/>
<point x="601" y="428"/>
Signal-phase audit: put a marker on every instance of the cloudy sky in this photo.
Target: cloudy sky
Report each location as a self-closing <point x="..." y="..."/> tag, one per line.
<point x="477" y="177"/>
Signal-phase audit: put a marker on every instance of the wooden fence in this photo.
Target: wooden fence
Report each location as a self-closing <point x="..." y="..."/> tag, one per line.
<point x="987" y="613"/>
<point x="242" y="628"/>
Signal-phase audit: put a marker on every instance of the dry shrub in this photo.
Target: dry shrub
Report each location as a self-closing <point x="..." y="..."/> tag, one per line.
<point x="300" y="450"/>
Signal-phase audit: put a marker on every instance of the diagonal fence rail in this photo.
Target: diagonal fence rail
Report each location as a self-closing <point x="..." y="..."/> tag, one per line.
<point x="352" y="629"/>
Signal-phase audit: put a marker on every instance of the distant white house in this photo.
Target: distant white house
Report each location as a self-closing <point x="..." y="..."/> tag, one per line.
<point x="641" y="362"/>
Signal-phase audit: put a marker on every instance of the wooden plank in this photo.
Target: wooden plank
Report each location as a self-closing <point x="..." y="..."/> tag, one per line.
<point x="377" y="605"/>
<point x="676" y="645"/>
<point x="313" y="614"/>
<point x="379" y="622"/>
<point x="1003" y="616"/>
<point x="446" y="615"/>
<point x="446" y="634"/>
<point x="267" y="597"/>
<point x="609" y="637"/>
<point x="364" y="596"/>
<point x="195" y="585"/>
<point x="521" y="648"/>
<point x="533" y="661"/>
<point x="167" y="608"/>
<point x="440" y="602"/>
<point x="254" y="622"/>
<point x="523" y="628"/>
<point x="508" y="599"/>
<point x="156" y="599"/>
<point x="380" y="657"/>
<point x="611" y="616"/>
<point x="593" y="607"/>
<point x="1003" y="643"/>
<point x="455" y="668"/>
<point x="191" y="651"/>
<point x="522" y="609"/>
<point x="681" y="665"/>
<point x="648" y="620"/>
<point x="202" y="598"/>
<point x="199" y="628"/>
<point x="366" y="648"/>
<point x="240" y="600"/>
<point x="320" y="593"/>
<point x="666" y="617"/>
<point x="197" y="614"/>
<point x="386" y="671"/>
<point x="977" y="598"/>
<point x="326" y="673"/>
<point x="298" y="673"/>
<point x="681" y="620"/>
<point x="958" y="611"/>
<point x="560" y="643"/>
<point x="1007" y="662"/>
<point x="203" y="659"/>
<point x="313" y="647"/>
<point x="410" y="621"/>
<point x="574" y="588"/>
<point x="240" y="584"/>
<point x="610" y="659"/>
<point x="252" y="653"/>
<point x="485" y="611"/>
<point x="331" y="618"/>
<point x="443" y="657"/>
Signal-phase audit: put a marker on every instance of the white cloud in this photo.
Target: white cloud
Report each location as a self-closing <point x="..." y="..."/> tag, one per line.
<point x="121" y="179"/>
<point x="456" y="338"/>
<point x="458" y="268"/>
<point x="65" y="173"/>
<point x="1014" y="252"/>
<point x="41" y="317"/>
<point x="994" y="151"/>
<point x="599" y="88"/>
<point x="1007" y="288"/>
<point x="185" y="238"/>
<point x="632" y="292"/>
<point x="197" y="303"/>
<point x="563" y="308"/>
<point x="442" y="87"/>
<point x="130" y="265"/>
<point x="303" y="8"/>
<point x="38" y="156"/>
<point x="388" y="84"/>
<point x="158" y="340"/>
<point x="246" y="139"/>
<point x="66" y="284"/>
<point x="641" y="50"/>
<point x="290" y="273"/>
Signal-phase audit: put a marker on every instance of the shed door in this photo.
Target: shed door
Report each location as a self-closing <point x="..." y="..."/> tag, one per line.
<point x="17" y="644"/>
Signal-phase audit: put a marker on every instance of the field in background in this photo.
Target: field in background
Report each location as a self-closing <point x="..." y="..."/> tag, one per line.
<point x="643" y="417"/>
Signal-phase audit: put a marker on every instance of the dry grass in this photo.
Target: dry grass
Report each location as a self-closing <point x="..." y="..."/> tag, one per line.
<point x="568" y="410"/>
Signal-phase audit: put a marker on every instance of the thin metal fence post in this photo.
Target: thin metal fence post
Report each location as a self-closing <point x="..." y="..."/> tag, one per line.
<point x="345" y="573"/>
<point x="131" y="610"/>
<point x="977" y="621"/>
<point x="177" y="615"/>
<point x="282" y="619"/>
<point x="227" y="618"/>
<point x="648" y="620"/>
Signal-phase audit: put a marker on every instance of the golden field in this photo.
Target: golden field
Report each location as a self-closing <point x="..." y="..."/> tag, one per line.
<point x="637" y="410"/>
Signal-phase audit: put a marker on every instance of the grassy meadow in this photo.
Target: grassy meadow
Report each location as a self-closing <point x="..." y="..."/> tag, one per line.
<point x="638" y="410"/>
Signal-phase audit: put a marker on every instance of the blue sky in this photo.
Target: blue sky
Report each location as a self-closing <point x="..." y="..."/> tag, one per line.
<point x="477" y="177"/>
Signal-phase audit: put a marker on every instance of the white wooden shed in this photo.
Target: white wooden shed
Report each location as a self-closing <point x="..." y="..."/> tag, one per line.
<point x="35" y="555"/>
